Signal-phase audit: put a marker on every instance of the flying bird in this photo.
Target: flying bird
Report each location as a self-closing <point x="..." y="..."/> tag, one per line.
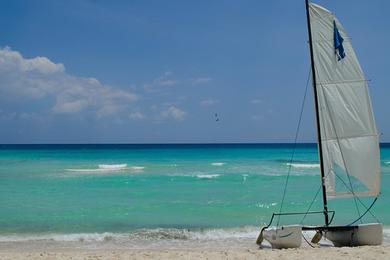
<point x="216" y="117"/>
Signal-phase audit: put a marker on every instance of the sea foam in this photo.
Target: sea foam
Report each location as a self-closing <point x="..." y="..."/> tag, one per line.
<point x="140" y="234"/>
<point x="102" y="168"/>
<point x="304" y="165"/>
<point x="159" y="238"/>
<point x="112" y="167"/>
<point x="208" y="176"/>
<point x="218" y="164"/>
<point x="75" y="237"/>
<point x="137" y="168"/>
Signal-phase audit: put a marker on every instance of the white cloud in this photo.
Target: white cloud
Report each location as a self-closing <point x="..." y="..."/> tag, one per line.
<point x="21" y="115"/>
<point x="168" y="79"/>
<point x="109" y="109"/>
<point x="209" y="102"/>
<point x="174" y="113"/>
<point x="13" y="61"/>
<point x="39" y="78"/>
<point x="70" y="106"/>
<point x="165" y="80"/>
<point x="8" y="116"/>
<point x="200" y="80"/>
<point x="137" y="115"/>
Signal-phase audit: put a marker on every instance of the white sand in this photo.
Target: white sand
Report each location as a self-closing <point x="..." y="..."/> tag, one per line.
<point x="366" y="252"/>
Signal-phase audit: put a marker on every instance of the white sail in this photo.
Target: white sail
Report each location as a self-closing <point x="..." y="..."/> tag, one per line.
<point x="349" y="137"/>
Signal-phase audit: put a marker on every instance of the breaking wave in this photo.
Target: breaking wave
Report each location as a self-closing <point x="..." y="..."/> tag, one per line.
<point x="240" y="237"/>
<point x="137" y="168"/>
<point x="108" y="168"/>
<point x="304" y="165"/>
<point x="141" y="234"/>
<point x="113" y="167"/>
<point x="218" y="164"/>
<point x="81" y="237"/>
<point x="86" y="170"/>
<point x="208" y="176"/>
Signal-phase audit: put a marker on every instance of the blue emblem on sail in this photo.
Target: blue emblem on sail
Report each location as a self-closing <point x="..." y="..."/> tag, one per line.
<point x="338" y="43"/>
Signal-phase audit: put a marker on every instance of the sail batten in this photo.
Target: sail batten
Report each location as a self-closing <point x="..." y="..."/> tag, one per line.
<point x="349" y="138"/>
<point x="343" y="82"/>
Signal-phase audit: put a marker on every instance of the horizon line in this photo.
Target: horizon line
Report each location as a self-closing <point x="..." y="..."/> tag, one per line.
<point x="173" y="143"/>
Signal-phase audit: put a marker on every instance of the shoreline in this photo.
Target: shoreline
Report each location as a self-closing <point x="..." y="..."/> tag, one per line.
<point x="154" y="239"/>
<point x="211" y="248"/>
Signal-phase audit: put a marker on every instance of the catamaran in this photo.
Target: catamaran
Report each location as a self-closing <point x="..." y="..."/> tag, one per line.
<point x="348" y="141"/>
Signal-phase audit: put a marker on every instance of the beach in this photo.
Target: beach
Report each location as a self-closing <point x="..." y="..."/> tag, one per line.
<point x="194" y="245"/>
<point x="366" y="252"/>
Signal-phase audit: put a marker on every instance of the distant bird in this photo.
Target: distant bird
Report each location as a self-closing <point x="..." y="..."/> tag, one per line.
<point x="216" y="117"/>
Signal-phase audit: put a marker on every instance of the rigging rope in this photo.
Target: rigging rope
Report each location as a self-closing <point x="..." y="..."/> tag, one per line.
<point x="368" y="210"/>
<point x="307" y="241"/>
<point x="294" y="147"/>
<point x="361" y="202"/>
<point x="311" y="203"/>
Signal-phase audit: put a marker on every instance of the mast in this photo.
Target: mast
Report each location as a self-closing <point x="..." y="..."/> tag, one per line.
<point x="324" y="199"/>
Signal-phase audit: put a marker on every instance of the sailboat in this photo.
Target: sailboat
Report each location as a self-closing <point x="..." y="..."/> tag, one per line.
<point x="348" y="141"/>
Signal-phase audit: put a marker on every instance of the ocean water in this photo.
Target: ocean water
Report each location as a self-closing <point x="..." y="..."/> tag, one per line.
<point x="137" y="195"/>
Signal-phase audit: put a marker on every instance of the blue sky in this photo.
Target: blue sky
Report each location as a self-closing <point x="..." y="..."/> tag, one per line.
<point x="157" y="71"/>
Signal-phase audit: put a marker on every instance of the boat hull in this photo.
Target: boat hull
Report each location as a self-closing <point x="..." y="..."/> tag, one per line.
<point x="364" y="234"/>
<point x="284" y="236"/>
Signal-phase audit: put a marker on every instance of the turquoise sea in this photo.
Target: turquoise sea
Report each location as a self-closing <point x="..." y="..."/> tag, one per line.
<point x="165" y="192"/>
